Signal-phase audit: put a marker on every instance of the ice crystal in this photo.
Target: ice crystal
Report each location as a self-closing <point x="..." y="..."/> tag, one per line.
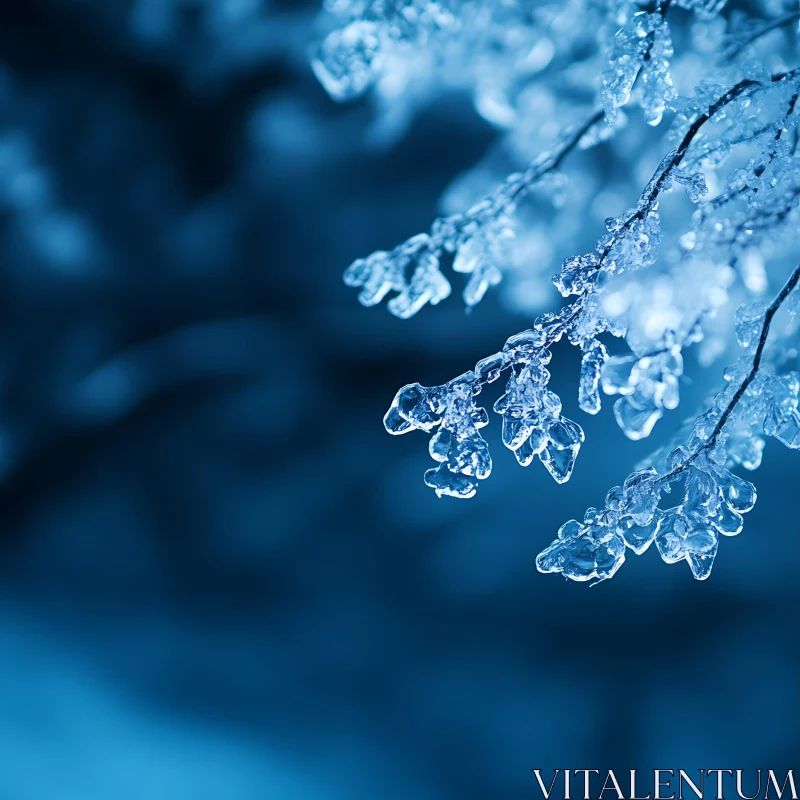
<point x="595" y="356"/>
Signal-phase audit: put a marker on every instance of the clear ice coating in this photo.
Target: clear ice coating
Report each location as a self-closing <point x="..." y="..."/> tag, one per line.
<point x="532" y="420"/>
<point x="749" y="321"/>
<point x="714" y="500"/>
<point x="695" y="184"/>
<point x="584" y="552"/>
<point x="374" y="35"/>
<point x="642" y="49"/>
<point x="477" y="255"/>
<point x="533" y="424"/>
<point x="595" y="549"/>
<point x="577" y="274"/>
<point x="713" y="503"/>
<point x="755" y="403"/>
<point x="450" y="410"/>
<point x="769" y="405"/>
<point x="377" y="38"/>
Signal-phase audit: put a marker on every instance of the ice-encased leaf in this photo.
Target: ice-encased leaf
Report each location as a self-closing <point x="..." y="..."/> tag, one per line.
<point x="657" y="91"/>
<point x="642" y="46"/>
<point x="629" y="48"/>
<point x="395" y="423"/>
<point x="531" y="447"/>
<point x="680" y="538"/>
<point x="701" y="495"/>
<point x="577" y="274"/>
<point x="469" y="455"/>
<point x="482" y="279"/>
<point x="745" y="448"/>
<point x="641" y="492"/>
<point x="559" y="461"/>
<point x="784" y="426"/>
<point x="702" y="563"/>
<point x="475" y="257"/>
<point x="457" y="444"/>
<point x="470" y="253"/>
<point x="490" y="368"/>
<point x="413" y="404"/>
<point x="378" y="274"/>
<point x="739" y="494"/>
<point x="671" y="536"/>
<point x="695" y="184"/>
<point x="440" y="444"/>
<point x="727" y="521"/>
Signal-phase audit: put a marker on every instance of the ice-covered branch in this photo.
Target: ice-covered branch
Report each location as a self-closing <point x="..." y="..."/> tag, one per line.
<point x="757" y="200"/>
<point x="728" y="410"/>
<point x="532" y="420"/>
<point x="471" y="236"/>
<point x="714" y="498"/>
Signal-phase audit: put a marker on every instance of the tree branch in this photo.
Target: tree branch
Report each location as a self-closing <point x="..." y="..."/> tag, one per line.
<point x="447" y="227"/>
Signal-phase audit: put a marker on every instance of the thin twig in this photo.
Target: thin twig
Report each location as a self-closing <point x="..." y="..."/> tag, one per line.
<point x="649" y="199"/>
<point x="447" y="227"/>
<point x="756" y="365"/>
<point x="646" y="202"/>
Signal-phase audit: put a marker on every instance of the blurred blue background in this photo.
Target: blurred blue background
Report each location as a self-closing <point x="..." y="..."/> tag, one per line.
<point x="219" y="577"/>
